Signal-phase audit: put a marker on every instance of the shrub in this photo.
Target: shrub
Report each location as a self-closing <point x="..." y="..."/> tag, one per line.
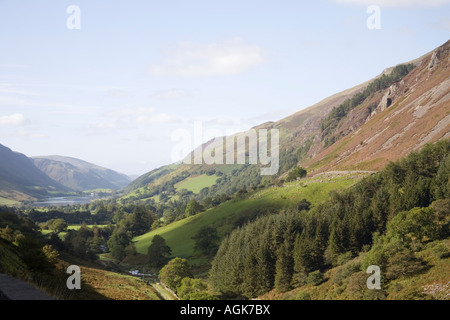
<point x="298" y="172"/>
<point x="441" y="251"/>
<point x="315" y="278"/>
<point x="357" y="284"/>
<point x="302" y="295"/>
<point x="194" y="289"/>
<point x="357" y="288"/>
<point x="303" y="205"/>
<point x="403" y="263"/>
<point x="344" y="258"/>
<point x="346" y="271"/>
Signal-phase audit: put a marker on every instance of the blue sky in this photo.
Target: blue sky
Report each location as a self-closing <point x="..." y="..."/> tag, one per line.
<point x="113" y="91"/>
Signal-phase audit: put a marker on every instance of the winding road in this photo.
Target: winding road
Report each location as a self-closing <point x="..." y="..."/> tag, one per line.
<point x="15" y="289"/>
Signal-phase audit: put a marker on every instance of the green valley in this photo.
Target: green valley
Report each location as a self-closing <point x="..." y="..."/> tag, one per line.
<point x="237" y="212"/>
<point x="363" y="181"/>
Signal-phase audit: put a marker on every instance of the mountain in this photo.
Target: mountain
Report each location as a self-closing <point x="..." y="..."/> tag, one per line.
<point x="21" y="180"/>
<point x="319" y="231"/>
<point x="395" y="121"/>
<point x="80" y="175"/>
<point x="361" y="128"/>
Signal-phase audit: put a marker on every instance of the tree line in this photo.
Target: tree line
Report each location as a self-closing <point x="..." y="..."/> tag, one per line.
<point x="406" y="200"/>
<point x="331" y="122"/>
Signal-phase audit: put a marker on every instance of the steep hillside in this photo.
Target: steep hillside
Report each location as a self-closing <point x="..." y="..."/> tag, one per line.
<point x="395" y="121"/>
<point x="80" y="175"/>
<point x="297" y="138"/>
<point x="21" y="180"/>
<point x="348" y="281"/>
<point x="23" y="256"/>
<point x="387" y="218"/>
<point x="361" y="128"/>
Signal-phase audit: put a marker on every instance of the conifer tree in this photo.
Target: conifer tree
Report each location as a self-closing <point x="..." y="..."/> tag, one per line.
<point x="284" y="267"/>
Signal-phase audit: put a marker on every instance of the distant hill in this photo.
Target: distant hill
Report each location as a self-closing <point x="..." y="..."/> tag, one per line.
<point x="80" y="175"/>
<point x="21" y="180"/>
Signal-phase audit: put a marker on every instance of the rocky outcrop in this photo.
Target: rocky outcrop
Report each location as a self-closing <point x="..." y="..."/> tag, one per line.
<point x="433" y="60"/>
<point x="401" y="119"/>
<point x="387" y="99"/>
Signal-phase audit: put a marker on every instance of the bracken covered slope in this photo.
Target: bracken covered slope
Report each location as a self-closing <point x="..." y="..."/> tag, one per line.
<point x="389" y="122"/>
<point x="408" y="114"/>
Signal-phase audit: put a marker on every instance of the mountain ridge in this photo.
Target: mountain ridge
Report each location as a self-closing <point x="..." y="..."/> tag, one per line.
<point x="301" y="134"/>
<point x="80" y="175"/>
<point x="409" y="114"/>
<point x="28" y="179"/>
<point x="21" y="180"/>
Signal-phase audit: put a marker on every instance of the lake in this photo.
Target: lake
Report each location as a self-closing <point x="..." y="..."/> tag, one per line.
<point x="64" y="201"/>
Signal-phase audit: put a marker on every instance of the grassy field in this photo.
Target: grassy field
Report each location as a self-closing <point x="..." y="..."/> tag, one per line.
<point x="230" y="214"/>
<point x="196" y="183"/>
<point x="77" y="226"/>
<point x="192" y="183"/>
<point x="8" y="202"/>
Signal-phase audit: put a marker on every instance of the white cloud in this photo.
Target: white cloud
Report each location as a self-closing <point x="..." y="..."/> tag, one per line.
<point x="216" y="59"/>
<point x="396" y="3"/>
<point x="170" y="94"/>
<point x="16" y="119"/>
